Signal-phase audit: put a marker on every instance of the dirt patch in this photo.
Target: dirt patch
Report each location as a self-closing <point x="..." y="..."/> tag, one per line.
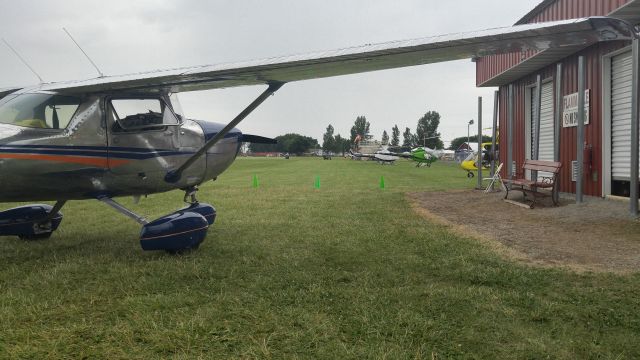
<point x="595" y="236"/>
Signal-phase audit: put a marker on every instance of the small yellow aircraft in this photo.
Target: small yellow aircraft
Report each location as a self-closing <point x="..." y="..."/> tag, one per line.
<point x="470" y="163"/>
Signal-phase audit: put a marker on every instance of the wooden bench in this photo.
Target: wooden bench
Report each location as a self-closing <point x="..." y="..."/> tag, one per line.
<point x="530" y="187"/>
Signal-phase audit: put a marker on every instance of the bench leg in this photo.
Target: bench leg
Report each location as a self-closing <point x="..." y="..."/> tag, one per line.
<point x="535" y="198"/>
<point x="555" y="195"/>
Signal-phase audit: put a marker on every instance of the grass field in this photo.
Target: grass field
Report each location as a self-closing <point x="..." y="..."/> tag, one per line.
<point x="290" y="271"/>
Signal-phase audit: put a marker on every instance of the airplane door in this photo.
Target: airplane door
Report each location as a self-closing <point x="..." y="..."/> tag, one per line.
<point x="142" y="137"/>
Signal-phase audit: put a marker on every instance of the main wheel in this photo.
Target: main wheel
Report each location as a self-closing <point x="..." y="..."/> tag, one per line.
<point x="469" y="174"/>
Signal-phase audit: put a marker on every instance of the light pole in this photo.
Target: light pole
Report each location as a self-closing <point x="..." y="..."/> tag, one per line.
<point x="468" y="145"/>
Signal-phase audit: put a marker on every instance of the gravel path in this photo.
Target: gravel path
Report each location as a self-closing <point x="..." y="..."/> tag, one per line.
<point x="595" y="236"/>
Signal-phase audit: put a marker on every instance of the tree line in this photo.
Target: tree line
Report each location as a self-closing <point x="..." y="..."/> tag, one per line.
<point x="426" y="134"/>
<point x="288" y="143"/>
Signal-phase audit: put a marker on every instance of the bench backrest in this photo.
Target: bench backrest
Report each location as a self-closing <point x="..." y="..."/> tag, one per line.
<point x="542" y="165"/>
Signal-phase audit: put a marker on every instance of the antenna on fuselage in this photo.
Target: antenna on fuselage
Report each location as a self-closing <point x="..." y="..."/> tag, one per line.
<point x="22" y="59"/>
<point x="85" y="54"/>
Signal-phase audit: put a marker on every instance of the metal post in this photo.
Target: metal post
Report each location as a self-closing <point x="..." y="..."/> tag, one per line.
<point x="496" y="95"/>
<point x="633" y="181"/>
<point x="580" y="137"/>
<point x="479" y="142"/>
<point x="557" y="120"/>
<point x="536" y="119"/>
<point x="535" y="142"/>
<point x="510" y="133"/>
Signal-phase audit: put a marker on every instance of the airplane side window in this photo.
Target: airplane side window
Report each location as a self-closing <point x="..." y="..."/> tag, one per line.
<point x="58" y="116"/>
<point x="135" y="114"/>
<point x="45" y="111"/>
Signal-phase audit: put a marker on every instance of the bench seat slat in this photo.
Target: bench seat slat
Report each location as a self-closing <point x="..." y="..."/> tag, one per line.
<point x="524" y="182"/>
<point x="544" y="162"/>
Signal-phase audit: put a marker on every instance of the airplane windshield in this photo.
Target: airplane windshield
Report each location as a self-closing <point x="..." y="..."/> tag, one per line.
<point x="43" y="111"/>
<point x="471" y="156"/>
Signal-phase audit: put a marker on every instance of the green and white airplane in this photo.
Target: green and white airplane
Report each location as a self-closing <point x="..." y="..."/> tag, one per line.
<point x="423" y="156"/>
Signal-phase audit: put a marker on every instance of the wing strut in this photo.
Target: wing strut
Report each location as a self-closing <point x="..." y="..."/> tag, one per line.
<point x="174" y="176"/>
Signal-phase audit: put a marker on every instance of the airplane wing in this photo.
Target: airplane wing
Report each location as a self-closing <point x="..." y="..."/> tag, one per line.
<point x="370" y="57"/>
<point x="7" y="91"/>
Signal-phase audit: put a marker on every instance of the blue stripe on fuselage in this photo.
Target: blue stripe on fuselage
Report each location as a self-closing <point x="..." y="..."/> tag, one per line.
<point x="95" y="151"/>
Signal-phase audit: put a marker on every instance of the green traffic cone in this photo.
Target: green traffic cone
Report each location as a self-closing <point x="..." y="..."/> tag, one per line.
<point x="317" y="183"/>
<point x="381" y="182"/>
<point x="255" y="181"/>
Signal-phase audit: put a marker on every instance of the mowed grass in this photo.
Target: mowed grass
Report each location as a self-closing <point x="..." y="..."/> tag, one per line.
<point x="347" y="271"/>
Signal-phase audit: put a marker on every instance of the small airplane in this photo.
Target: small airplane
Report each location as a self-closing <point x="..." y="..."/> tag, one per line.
<point x="470" y="163"/>
<point x="114" y="136"/>
<point x="381" y="156"/>
<point x="422" y="155"/>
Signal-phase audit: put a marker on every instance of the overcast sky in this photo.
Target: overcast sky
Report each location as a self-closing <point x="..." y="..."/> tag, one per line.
<point x="131" y="36"/>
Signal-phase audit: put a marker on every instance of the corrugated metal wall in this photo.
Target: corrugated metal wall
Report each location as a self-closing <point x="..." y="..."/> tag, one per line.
<point x="571" y="9"/>
<point x="593" y="131"/>
<point x="490" y="66"/>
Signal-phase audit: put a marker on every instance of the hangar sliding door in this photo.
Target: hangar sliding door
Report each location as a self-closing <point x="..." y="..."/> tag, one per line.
<point x="546" y="143"/>
<point x="621" y="117"/>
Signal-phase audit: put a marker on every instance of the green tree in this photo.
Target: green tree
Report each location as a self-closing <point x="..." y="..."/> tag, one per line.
<point x="328" y="141"/>
<point x="360" y="127"/>
<point x="385" y="138"/>
<point x="337" y="144"/>
<point x="395" y="136"/>
<point x="342" y="145"/>
<point x="407" y="138"/>
<point x="299" y="145"/>
<point x="257" y="148"/>
<point x="427" y="130"/>
<point x="291" y="143"/>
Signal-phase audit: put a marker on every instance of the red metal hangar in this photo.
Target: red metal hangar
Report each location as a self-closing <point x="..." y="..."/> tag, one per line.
<point x="552" y="76"/>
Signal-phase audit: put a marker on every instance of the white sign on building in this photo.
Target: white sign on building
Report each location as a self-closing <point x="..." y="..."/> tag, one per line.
<point x="570" y="109"/>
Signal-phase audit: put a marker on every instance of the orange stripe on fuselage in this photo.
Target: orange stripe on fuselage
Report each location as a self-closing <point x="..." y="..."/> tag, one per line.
<point x="84" y="160"/>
